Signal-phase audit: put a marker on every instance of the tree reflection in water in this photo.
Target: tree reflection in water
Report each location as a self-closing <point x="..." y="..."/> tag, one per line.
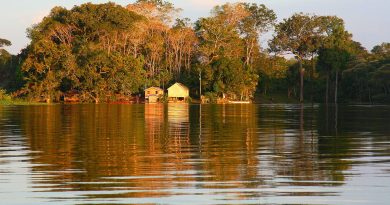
<point x="147" y="151"/>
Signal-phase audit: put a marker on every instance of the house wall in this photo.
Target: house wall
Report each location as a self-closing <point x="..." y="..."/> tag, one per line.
<point x="153" y="99"/>
<point x="177" y="91"/>
<point x="152" y="91"/>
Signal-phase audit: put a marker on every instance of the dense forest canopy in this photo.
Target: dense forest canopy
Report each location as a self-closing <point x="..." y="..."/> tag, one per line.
<point x="102" y="52"/>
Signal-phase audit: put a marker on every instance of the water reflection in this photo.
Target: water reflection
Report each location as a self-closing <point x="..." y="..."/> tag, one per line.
<point x="200" y="154"/>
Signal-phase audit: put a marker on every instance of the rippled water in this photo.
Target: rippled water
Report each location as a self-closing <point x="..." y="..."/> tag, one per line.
<point x="194" y="154"/>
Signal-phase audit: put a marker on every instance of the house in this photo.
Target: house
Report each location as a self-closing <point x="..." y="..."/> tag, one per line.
<point x="178" y="93"/>
<point x="153" y="94"/>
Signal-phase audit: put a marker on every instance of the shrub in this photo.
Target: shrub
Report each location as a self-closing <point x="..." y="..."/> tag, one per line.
<point x="189" y="100"/>
<point x="212" y="97"/>
<point x="4" y="95"/>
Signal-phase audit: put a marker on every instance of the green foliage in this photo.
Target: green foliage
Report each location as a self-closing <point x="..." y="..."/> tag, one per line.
<point x="4" y="95"/>
<point x="82" y="50"/>
<point x="333" y="59"/>
<point x="298" y="35"/>
<point x="164" y="98"/>
<point x="100" y="52"/>
<point x="232" y="79"/>
<point x="189" y="100"/>
<point x="229" y="48"/>
<point x="368" y="82"/>
<point x="4" y="42"/>
<point x="381" y="51"/>
<point x="7" y="99"/>
<point x="10" y="75"/>
<point x="212" y="97"/>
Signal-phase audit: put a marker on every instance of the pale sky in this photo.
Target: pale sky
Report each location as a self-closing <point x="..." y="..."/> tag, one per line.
<point x="367" y="20"/>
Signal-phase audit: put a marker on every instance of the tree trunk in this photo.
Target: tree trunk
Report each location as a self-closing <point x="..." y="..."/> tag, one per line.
<point x="327" y="88"/>
<point x="369" y="95"/>
<point x="302" y="73"/>
<point x="336" y="88"/>
<point x="312" y="71"/>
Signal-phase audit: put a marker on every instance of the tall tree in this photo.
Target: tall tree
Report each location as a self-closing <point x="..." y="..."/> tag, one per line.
<point x="228" y="43"/>
<point x="337" y="49"/>
<point x="5" y="58"/>
<point x="3" y="52"/>
<point x="219" y="35"/>
<point x="381" y="51"/>
<point x="259" y="21"/>
<point x="295" y="35"/>
<point x="4" y="42"/>
<point x="333" y="60"/>
<point x="84" y="49"/>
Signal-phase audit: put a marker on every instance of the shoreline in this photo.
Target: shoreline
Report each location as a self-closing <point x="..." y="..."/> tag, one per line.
<point x="28" y="103"/>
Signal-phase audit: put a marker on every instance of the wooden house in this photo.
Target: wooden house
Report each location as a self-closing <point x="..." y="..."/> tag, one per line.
<point x="178" y="93"/>
<point x="153" y="94"/>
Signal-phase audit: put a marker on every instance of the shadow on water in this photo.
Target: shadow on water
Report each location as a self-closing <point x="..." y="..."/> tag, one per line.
<point x="197" y="154"/>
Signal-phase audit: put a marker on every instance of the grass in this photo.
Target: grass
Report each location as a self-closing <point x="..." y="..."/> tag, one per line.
<point x="7" y="99"/>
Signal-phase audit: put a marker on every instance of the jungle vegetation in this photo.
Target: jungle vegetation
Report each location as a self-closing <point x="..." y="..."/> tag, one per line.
<point x="102" y="51"/>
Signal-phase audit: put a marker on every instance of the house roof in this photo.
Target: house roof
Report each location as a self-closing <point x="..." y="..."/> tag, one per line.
<point x="154" y="88"/>
<point x="180" y="85"/>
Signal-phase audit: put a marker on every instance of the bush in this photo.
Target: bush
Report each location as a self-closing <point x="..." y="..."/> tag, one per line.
<point x="4" y="95"/>
<point x="212" y="97"/>
<point x="189" y="100"/>
<point x="164" y="98"/>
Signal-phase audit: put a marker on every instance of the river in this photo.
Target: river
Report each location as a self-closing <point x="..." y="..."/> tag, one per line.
<point x="194" y="154"/>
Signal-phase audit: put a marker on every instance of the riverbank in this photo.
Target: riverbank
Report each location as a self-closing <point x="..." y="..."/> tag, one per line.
<point x="274" y="98"/>
<point x="19" y="102"/>
<point x="259" y="99"/>
<point x="6" y="99"/>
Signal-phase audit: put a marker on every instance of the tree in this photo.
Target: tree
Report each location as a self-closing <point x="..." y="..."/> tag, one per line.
<point x="219" y="35"/>
<point x="333" y="60"/>
<point x="260" y="20"/>
<point x="158" y="12"/>
<point x="273" y="72"/>
<point x="381" y="78"/>
<point x="228" y="45"/>
<point x="3" y="53"/>
<point x="4" y="42"/>
<point x="5" y="61"/>
<point x="232" y="80"/>
<point x="336" y="51"/>
<point x="295" y="36"/>
<point x="103" y="52"/>
<point x="84" y="49"/>
<point x="381" y="51"/>
<point x="181" y="42"/>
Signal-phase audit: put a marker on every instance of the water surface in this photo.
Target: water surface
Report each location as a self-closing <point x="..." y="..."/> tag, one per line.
<point x="194" y="154"/>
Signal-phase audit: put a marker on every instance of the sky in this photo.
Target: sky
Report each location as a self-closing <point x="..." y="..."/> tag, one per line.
<point x="367" y="20"/>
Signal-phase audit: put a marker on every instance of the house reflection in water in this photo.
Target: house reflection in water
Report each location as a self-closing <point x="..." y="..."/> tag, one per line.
<point x="178" y="115"/>
<point x="154" y="126"/>
<point x="178" y="130"/>
<point x="177" y="123"/>
<point x="154" y="119"/>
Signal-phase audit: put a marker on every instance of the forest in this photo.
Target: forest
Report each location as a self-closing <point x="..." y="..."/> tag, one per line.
<point x="102" y="52"/>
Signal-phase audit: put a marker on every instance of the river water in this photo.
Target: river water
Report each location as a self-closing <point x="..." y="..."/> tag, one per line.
<point x="194" y="154"/>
